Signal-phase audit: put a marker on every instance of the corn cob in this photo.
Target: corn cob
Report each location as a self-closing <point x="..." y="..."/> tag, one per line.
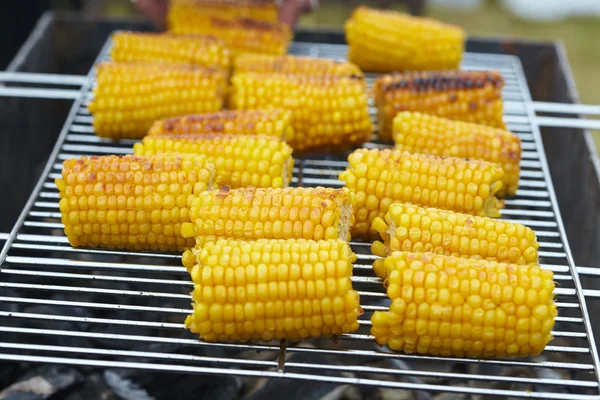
<point x="451" y="306"/>
<point x="250" y="214"/>
<point x="240" y="161"/>
<point x="421" y="133"/>
<point x="386" y="41"/>
<point x="275" y="123"/>
<point x="272" y="289"/>
<point x="328" y="112"/>
<point x="153" y="47"/>
<point x="379" y="178"/>
<point x="294" y="65"/>
<point x="129" y="97"/>
<point x="130" y="202"/>
<point x="411" y="228"/>
<point x="188" y="12"/>
<point x="469" y="96"/>
<point x="242" y="35"/>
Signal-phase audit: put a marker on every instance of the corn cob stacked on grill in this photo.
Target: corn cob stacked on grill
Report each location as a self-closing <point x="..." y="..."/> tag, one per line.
<point x="131" y="202"/>
<point x="421" y="133"/>
<point x="387" y="41"/>
<point x="129" y="97"/>
<point x="294" y="65"/>
<point x="275" y="123"/>
<point x="328" y="112"/>
<point x="189" y="12"/>
<point x="451" y="306"/>
<point x="272" y="289"/>
<point x="470" y="96"/>
<point x="240" y="160"/>
<point x="155" y="47"/>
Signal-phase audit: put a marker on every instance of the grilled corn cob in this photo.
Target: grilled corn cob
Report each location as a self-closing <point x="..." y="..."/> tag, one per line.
<point x="470" y="96"/>
<point x="386" y="41"/>
<point x="379" y="178"/>
<point x="294" y="65"/>
<point x="272" y="289"/>
<point x="250" y="214"/>
<point x="240" y="161"/>
<point x="275" y="123"/>
<point x="130" y="202"/>
<point x="189" y="12"/>
<point x="155" y="47"/>
<point x="451" y="306"/>
<point x="129" y="97"/>
<point x="328" y="112"/>
<point x="242" y="35"/>
<point x="421" y="133"/>
<point x="411" y="228"/>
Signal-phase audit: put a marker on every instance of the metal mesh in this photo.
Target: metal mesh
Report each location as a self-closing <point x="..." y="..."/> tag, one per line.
<point x="121" y="309"/>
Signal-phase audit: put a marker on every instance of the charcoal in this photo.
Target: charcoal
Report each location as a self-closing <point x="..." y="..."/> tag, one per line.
<point x="42" y="383"/>
<point x="94" y="387"/>
<point x="8" y="373"/>
<point x="124" y="387"/>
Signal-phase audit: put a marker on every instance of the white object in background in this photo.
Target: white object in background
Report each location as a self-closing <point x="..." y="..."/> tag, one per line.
<point x="552" y="10"/>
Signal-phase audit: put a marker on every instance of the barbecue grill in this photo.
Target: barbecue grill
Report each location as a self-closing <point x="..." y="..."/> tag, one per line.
<point x="119" y="309"/>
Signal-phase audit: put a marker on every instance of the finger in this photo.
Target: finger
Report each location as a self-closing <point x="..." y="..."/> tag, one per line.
<point x="289" y="12"/>
<point x="155" y="10"/>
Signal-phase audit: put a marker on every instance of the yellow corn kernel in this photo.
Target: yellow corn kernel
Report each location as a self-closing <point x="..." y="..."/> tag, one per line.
<point x="466" y="317"/>
<point x="295" y="65"/>
<point x="189" y="12"/>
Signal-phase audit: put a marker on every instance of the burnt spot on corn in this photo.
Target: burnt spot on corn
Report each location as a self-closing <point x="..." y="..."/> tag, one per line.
<point x="439" y="81"/>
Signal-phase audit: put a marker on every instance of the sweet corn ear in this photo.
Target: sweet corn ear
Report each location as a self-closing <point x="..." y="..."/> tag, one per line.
<point x="294" y="65"/>
<point x="190" y="12"/>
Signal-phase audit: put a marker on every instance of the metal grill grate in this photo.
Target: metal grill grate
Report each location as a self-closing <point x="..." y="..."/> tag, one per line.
<point x="105" y="308"/>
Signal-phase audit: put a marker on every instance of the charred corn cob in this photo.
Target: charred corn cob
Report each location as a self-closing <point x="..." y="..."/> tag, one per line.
<point x="328" y="112"/>
<point x="242" y="35"/>
<point x="451" y="306"/>
<point x="240" y="160"/>
<point x="379" y="178"/>
<point x="188" y="12"/>
<point x="410" y="228"/>
<point x="422" y="133"/>
<point x="272" y="289"/>
<point x="470" y="96"/>
<point x="130" y="202"/>
<point x="386" y="41"/>
<point x="250" y="214"/>
<point x="129" y="97"/>
<point x="156" y="47"/>
<point x="275" y="123"/>
<point x="294" y="65"/>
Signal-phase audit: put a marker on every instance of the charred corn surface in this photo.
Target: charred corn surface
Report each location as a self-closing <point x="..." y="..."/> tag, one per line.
<point x="239" y="160"/>
<point x="470" y="96"/>
<point x="451" y="306"/>
<point x="189" y="12"/>
<point x="386" y="41"/>
<point x="272" y="289"/>
<point x="275" y="123"/>
<point x="129" y="97"/>
<point x="328" y="112"/>
<point x="151" y="47"/>
<point x="410" y="228"/>
<point x="251" y="213"/>
<point x="422" y="133"/>
<point x="130" y="202"/>
<point x="294" y="65"/>
<point x="242" y="35"/>
<point x="379" y="178"/>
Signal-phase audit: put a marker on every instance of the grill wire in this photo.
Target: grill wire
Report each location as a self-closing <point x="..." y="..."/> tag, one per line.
<point x="105" y="308"/>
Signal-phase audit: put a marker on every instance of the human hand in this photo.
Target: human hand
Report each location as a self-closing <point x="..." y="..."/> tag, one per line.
<point x="290" y="10"/>
<point x="155" y="10"/>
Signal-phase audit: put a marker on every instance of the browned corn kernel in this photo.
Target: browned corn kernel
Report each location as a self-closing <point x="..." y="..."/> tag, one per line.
<point x="328" y="112"/>
<point x="379" y="178"/>
<point x="239" y="160"/>
<point x="129" y="97"/>
<point x="189" y="12"/>
<point x="294" y="65"/>
<point x="451" y="306"/>
<point x="410" y="228"/>
<point x="275" y="123"/>
<point x="387" y="41"/>
<point x="131" y="202"/>
<point x="427" y="134"/>
<point x="471" y="96"/>
<point x="251" y="213"/>
<point x="272" y="289"/>
<point x="159" y="47"/>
